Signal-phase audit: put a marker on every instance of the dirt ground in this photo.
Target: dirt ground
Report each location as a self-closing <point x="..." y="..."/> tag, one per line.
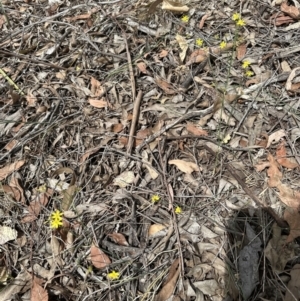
<point x="149" y="150"/>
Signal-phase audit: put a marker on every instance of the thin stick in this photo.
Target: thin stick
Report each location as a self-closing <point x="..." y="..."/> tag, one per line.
<point x="133" y="88"/>
<point x="135" y="118"/>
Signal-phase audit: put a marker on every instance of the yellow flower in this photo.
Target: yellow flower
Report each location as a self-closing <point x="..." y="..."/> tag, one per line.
<point x="223" y="44"/>
<point x="56" y="219"/>
<point x="249" y="73"/>
<point x="155" y="198"/>
<point x="246" y="64"/>
<point x="240" y="22"/>
<point x="199" y="42"/>
<point x="185" y="18"/>
<point x="178" y="210"/>
<point x="236" y="16"/>
<point x="113" y="275"/>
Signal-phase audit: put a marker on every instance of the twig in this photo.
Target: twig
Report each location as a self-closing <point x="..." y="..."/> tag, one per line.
<point x="135" y="117"/>
<point x="133" y="88"/>
<point x="25" y="57"/>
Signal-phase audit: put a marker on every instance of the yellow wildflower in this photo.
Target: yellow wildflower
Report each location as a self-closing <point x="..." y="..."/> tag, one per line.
<point x="223" y="44"/>
<point x="246" y="64"/>
<point x="240" y="22"/>
<point x="155" y="198"/>
<point x="249" y="73"/>
<point x="199" y="42"/>
<point x="185" y="18"/>
<point x="113" y="275"/>
<point x="236" y="17"/>
<point x="178" y="210"/>
<point x="56" y="219"/>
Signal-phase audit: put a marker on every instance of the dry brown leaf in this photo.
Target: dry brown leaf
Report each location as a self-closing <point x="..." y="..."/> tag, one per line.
<point x="35" y="208"/>
<point x="292" y="217"/>
<point x="118" y="238"/>
<point x="98" y="103"/>
<point x="117" y="128"/>
<point x="96" y="91"/>
<point x="202" y="21"/>
<point x="191" y="128"/>
<point x="99" y="259"/>
<point x="8" y="169"/>
<point x="168" y="89"/>
<point x="280" y="20"/>
<point x="261" y="166"/>
<point x="153" y="229"/>
<point x="241" y="51"/>
<point x="282" y="159"/>
<point x="295" y="87"/>
<point x="290" y="10"/>
<point x="38" y="293"/>
<point x="274" y="173"/>
<point x="198" y="56"/>
<point x="14" y="182"/>
<point x="31" y="99"/>
<point x="163" y="53"/>
<point x="68" y="196"/>
<point x="142" y="67"/>
<point x="289" y="196"/>
<point x="169" y="285"/>
<point x="275" y="137"/>
<point x="185" y="166"/>
<point x="12" y="191"/>
<point x="11" y="144"/>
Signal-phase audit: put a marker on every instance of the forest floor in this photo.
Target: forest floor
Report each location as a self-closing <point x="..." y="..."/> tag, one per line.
<point x="149" y="150"/>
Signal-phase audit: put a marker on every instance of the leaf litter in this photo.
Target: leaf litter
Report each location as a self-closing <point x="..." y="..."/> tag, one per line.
<point x="105" y="104"/>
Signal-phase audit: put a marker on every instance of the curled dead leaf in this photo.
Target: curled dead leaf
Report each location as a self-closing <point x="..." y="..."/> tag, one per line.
<point x="99" y="259"/>
<point x="155" y="228"/>
<point x="282" y="159"/>
<point x="8" y="169"/>
<point x="273" y="172"/>
<point x="198" y="56"/>
<point x="118" y="238"/>
<point x="185" y="166"/>
<point x="191" y="128"/>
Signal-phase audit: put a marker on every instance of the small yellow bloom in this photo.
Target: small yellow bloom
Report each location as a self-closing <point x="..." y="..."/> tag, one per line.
<point x="236" y="16"/>
<point x="249" y="73"/>
<point x="155" y="198"/>
<point x="223" y="44"/>
<point x="246" y="64"/>
<point x="56" y="219"/>
<point x="185" y="18"/>
<point x="113" y="275"/>
<point x="178" y="210"/>
<point x="240" y="22"/>
<point x="199" y="42"/>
